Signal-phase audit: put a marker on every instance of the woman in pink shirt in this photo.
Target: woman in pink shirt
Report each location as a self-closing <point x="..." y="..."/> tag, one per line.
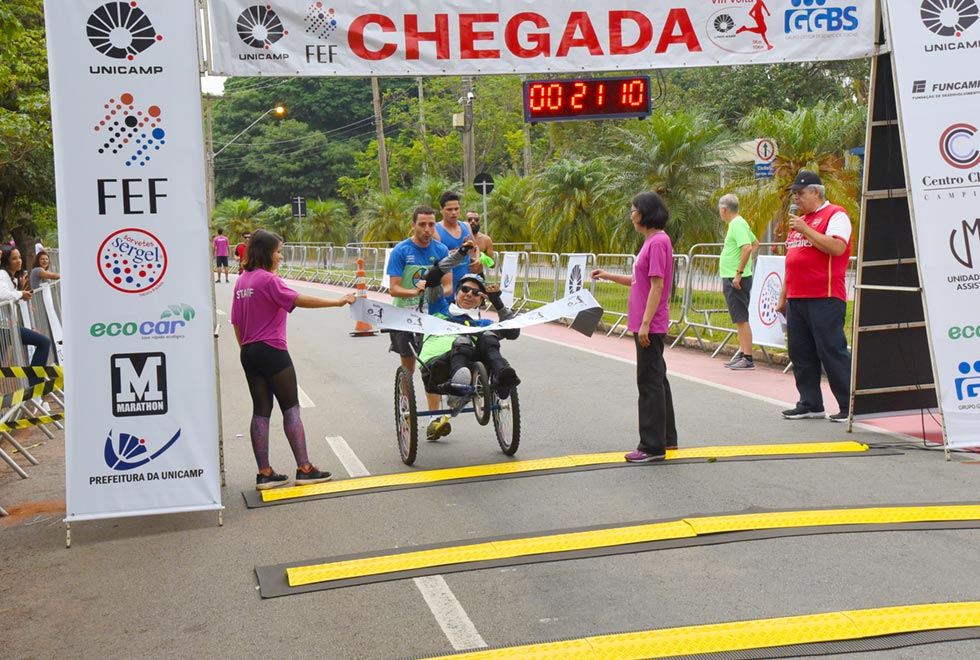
<point x="258" y="312"/>
<point x="648" y="317"/>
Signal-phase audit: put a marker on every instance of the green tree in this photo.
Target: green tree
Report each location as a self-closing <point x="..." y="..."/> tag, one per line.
<point x="386" y="217"/>
<point x="572" y="204"/>
<point x="507" y="208"/>
<point x="682" y="157"/>
<point x="812" y="138"/>
<point x="329" y="221"/>
<point x="26" y="154"/>
<point x="236" y="216"/>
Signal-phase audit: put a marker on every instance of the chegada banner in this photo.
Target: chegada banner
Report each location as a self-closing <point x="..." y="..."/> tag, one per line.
<point x="936" y="46"/>
<point x="454" y="37"/>
<point x="141" y="420"/>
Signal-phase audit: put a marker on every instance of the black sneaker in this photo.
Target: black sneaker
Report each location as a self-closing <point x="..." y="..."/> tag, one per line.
<point x="802" y="412"/>
<point x="506" y="381"/>
<point x="744" y="363"/>
<point x="314" y="476"/>
<point x="840" y="417"/>
<point x="267" y="481"/>
<point x="735" y="358"/>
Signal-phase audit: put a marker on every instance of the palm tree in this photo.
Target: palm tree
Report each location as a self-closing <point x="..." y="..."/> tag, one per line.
<point x="386" y="217"/>
<point x="682" y="157"/>
<point x="572" y="203"/>
<point x="236" y="216"/>
<point x="507" y="208"/>
<point x="328" y="221"/>
<point x="807" y="138"/>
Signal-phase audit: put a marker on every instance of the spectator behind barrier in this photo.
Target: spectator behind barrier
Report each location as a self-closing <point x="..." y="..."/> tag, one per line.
<point x="13" y="286"/>
<point x="39" y="270"/>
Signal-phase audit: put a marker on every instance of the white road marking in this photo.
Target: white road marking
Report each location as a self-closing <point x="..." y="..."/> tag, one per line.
<point x="304" y="399"/>
<point x="443" y="604"/>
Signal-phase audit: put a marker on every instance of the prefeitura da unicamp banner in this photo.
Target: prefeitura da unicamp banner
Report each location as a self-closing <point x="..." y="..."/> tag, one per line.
<point x="141" y="432"/>
<point x="454" y="37"/>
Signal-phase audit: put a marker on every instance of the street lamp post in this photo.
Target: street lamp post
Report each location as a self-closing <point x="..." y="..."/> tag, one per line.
<point x="278" y="110"/>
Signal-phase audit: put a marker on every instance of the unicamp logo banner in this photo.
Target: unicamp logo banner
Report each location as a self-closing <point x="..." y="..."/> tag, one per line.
<point x="453" y="37"/>
<point x="942" y="153"/>
<point x="141" y="422"/>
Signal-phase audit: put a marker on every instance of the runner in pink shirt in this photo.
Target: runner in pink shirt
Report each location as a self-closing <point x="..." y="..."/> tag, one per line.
<point x="258" y="312"/>
<point x="220" y="255"/>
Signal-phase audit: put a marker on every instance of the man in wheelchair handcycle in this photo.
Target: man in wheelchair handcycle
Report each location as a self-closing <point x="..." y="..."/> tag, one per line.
<point x="446" y="359"/>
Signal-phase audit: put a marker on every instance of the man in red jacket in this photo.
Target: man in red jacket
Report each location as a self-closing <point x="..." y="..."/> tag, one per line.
<point x="814" y="298"/>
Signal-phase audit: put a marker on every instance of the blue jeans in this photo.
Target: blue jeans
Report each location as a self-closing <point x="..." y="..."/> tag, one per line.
<point x="42" y="348"/>
<point x="815" y="331"/>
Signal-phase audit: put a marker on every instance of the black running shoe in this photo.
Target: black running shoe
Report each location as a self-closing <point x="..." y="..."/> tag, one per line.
<point x="267" y="481"/>
<point x="314" y="476"/>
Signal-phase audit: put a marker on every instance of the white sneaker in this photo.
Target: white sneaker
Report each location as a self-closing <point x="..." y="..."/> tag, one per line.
<point x="462" y="377"/>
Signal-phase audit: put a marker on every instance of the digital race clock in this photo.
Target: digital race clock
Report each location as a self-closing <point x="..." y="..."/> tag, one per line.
<point x="588" y="98"/>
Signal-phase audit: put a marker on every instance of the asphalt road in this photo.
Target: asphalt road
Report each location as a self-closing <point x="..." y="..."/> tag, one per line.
<point x="180" y="586"/>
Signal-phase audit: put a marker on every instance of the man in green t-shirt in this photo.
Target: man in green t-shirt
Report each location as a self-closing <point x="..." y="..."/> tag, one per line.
<point x="735" y="268"/>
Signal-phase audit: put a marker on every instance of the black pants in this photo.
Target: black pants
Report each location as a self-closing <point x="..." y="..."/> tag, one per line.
<point x="464" y="352"/>
<point x="655" y="405"/>
<point x="815" y="331"/>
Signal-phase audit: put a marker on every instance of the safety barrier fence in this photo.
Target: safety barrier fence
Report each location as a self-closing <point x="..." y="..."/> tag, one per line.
<point x="697" y="305"/>
<point x="23" y="405"/>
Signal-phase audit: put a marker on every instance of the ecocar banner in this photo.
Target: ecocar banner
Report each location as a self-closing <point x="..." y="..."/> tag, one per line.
<point x="141" y="426"/>
<point x="936" y="47"/>
<point x="453" y="37"/>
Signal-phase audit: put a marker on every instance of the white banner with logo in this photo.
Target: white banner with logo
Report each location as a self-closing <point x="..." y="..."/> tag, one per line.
<point x="767" y="281"/>
<point x="454" y="37"/>
<point x="936" y="46"/>
<point x="389" y="317"/>
<point x="508" y="278"/>
<point x="141" y="419"/>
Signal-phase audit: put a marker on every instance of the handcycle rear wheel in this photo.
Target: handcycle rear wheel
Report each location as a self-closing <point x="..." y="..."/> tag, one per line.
<point x="507" y="422"/>
<point x="406" y="419"/>
<point x="482" y="395"/>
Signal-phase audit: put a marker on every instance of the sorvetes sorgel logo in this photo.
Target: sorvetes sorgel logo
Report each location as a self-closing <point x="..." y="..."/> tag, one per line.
<point x="132" y="260"/>
<point x="120" y="30"/>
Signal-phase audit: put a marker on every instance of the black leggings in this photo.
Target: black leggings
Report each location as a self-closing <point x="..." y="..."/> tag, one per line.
<point x="269" y="372"/>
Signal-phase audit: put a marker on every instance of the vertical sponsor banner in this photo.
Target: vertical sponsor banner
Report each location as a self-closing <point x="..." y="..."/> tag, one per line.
<point x="508" y="278"/>
<point x="935" y="49"/>
<point x="575" y="273"/>
<point x="767" y="282"/>
<point x="141" y="423"/>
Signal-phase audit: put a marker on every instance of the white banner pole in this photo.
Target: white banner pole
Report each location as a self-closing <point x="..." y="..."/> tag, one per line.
<point x="141" y="423"/>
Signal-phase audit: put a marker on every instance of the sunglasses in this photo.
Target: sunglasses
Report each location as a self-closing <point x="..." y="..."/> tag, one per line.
<point x="469" y="289"/>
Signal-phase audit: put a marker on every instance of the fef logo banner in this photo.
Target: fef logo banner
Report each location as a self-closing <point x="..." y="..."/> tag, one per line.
<point x="936" y="46"/>
<point x="453" y="37"/>
<point x="141" y="422"/>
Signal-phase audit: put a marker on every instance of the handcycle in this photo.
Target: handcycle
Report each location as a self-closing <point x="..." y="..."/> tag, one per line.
<point x="483" y="403"/>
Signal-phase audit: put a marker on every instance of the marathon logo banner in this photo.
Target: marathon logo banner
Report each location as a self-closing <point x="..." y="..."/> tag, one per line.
<point x="454" y="37"/>
<point x="581" y="306"/>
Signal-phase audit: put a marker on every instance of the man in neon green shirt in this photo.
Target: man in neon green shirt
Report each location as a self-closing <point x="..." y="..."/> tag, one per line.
<point x="735" y="268"/>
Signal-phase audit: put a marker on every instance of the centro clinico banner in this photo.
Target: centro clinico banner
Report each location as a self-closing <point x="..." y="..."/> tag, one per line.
<point x="935" y="49"/>
<point x="453" y="37"/>
<point x="141" y="419"/>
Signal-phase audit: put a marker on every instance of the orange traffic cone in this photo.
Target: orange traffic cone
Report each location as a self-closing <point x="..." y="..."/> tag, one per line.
<point x="362" y="329"/>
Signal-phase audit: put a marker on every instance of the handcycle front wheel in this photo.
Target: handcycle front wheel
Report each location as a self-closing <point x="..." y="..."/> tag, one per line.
<point x="507" y="422"/>
<point x="482" y="396"/>
<point x="406" y="417"/>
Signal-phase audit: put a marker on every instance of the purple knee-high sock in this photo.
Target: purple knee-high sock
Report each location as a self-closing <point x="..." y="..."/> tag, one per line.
<point x="259" y="432"/>
<point x="296" y="435"/>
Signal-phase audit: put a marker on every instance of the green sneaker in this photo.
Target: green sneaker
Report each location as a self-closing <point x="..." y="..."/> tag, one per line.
<point x="438" y="428"/>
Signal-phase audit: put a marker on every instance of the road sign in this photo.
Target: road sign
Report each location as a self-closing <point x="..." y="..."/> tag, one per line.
<point x="765" y="156"/>
<point x="299" y="207"/>
<point x="483" y="183"/>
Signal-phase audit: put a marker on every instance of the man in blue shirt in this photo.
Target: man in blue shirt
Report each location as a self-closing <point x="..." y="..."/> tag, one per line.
<point x="453" y="233"/>
<point x="409" y="261"/>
